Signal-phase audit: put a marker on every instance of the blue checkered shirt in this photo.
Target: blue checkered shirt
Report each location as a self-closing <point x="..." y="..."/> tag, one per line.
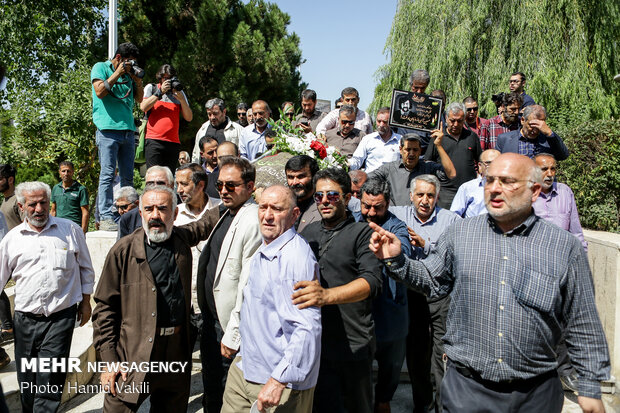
<point x="512" y="295"/>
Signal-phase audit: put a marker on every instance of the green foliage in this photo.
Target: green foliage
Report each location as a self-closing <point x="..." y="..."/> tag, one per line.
<point x="593" y="172"/>
<point x="220" y="48"/>
<point x="41" y="37"/>
<point x="568" y="50"/>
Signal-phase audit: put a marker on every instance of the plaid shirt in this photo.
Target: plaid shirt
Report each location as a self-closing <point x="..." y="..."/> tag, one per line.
<point x="491" y="129"/>
<point x="512" y="295"/>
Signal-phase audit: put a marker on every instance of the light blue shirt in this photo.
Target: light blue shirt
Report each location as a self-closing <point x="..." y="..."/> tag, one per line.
<point x="277" y="339"/>
<point x="373" y="152"/>
<point x="469" y="199"/>
<point x="252" y="142"/>
<point x="430" y="230"/>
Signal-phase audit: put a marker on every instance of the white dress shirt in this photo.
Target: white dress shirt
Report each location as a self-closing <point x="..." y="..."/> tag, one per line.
<point x="374" y="151"/>
<point x="51" y="268"/>
<point x="363" y="122"/>
<point x="186" y="216"/>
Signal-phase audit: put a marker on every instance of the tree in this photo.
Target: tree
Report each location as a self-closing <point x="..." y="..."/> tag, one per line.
<point x="568" y="49"/>
<point x="220" y="48"/>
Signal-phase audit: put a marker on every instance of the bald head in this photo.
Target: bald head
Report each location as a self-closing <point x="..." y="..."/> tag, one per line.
<point x="277" y="211"/>
<point x="512" y="185"/>
<point x="358" y="178"/>
<point x="486" y="158"/>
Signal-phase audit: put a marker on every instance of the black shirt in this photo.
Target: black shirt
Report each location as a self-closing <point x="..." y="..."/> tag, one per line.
<point x="214" y="247"/>
<point x="343" y="256"/>
<point x="464" y="154"/>
<point x="170" y="298"/>
<point x="217" y="133"/>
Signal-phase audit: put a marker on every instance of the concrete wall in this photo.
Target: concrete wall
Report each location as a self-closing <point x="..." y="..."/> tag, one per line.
<point x="604" y="257"/>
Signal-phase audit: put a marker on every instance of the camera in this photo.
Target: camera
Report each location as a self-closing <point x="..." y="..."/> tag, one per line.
<point x="176" y="84"/>
<point x="498" y="99"/>
<point x="136" y="70"/>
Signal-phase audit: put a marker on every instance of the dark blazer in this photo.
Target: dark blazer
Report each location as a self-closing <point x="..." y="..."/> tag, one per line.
<point x="509" y="142"/>
<point x="124" y="318"/>
<point x="129" y="222"/>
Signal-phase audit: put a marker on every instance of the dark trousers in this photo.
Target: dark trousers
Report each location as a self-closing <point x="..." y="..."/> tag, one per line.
<point x="439" y="312"/>
<point x="214" y="365"/>
<point x="38" y="337"/>
<point x="162" y="153"/>
<point x="344" y="386"/>
<point x="169" y="391"/>
<point x="5" y="312"/>
<point x="390" y="356"/>
<point x="419" y="351"/>
<point x="462" y="394"/>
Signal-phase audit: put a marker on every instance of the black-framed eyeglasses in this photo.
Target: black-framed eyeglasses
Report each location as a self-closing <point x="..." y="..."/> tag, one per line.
<point x="474" y="109"/>
<point x="332" y="196"/>
<point x="230" y="186"/>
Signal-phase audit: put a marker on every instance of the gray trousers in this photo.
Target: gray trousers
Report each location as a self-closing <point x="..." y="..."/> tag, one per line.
<point x="463" y="394"/>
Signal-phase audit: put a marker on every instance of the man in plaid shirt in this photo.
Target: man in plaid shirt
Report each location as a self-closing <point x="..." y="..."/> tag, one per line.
<point x="506" y="121"/>
<point x="509" y="310"/>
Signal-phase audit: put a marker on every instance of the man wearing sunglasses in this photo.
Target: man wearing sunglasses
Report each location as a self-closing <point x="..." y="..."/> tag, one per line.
<point x="472" y="121"/>
<point x="125" y="199"/>
<point x="242" y="114"/>
<point x="350" y="280"/>
<point x="223" y="271"/>
<point x="131" y="221"/>
<point x="346" y="137"/>
<point x="509" y="310"/>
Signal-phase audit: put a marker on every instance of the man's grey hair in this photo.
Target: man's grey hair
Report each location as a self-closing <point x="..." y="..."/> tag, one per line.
<point x="430" y="179"/>
<point x="357" y="175"/>
<point x="534" y="109"/>
<point x="160" y="188"/>
<point x="535" y="176"/>
<point x="455" y="107"/>
<point x="420" y="75"/>
<point x="292" y="198"/>
<point x="215" y="102"/>
<point x="164" y="169"/>
<point x="347" y="110"/>
<point x="539" y="155"/>
<point x="126" y="192"/>
<point x="28" y="187"/>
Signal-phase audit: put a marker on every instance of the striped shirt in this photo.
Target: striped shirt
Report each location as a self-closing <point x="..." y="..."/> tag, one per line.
<point x="512" y="296"/>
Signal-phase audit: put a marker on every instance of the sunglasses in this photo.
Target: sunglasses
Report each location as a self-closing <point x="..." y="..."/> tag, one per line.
<point x="474" y="109"/>
<point x="122" y="207"/>
<point x="241" y="114"/>
<point x="347" y="122"/>
<point x="332" y="196"/>
<point x="230" y="186"/>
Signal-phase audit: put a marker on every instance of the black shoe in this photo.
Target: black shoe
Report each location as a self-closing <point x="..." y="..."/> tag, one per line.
<point x="6" y="337"/>
<point x="569" y="382"/>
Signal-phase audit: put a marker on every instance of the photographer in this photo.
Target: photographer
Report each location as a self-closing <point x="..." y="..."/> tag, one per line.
<point x="163" y="104"/>
<point x="116" y="83"/>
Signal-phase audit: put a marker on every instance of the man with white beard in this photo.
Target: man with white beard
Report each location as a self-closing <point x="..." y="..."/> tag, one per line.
<point x="143" y="302"/>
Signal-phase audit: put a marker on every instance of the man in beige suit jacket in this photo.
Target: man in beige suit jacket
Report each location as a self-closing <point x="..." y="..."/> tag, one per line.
<point x="223" y="271"/>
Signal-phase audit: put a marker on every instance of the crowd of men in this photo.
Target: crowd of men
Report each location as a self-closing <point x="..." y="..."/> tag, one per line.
<point x="454" y="249"/>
